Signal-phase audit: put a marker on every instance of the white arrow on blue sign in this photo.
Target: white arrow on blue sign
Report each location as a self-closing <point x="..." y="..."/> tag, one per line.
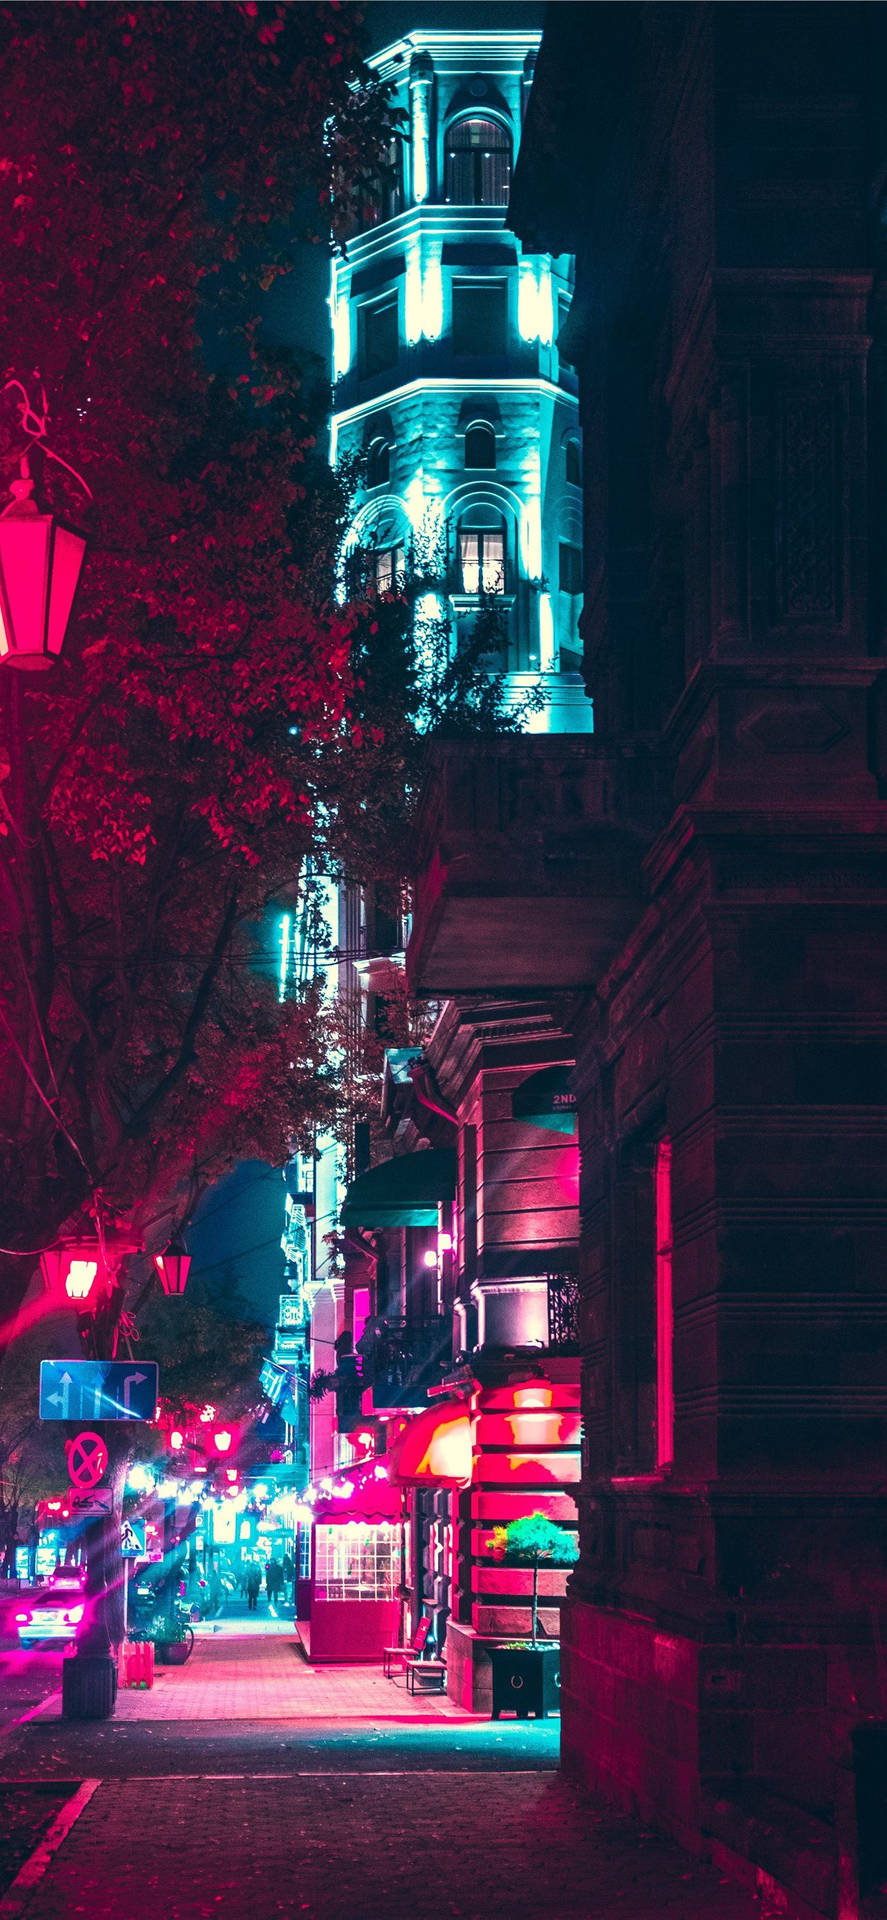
<point x="98" y="1390"/>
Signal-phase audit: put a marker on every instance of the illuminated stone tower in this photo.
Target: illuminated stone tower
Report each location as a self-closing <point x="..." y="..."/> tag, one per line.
<point x="448" y="381"/>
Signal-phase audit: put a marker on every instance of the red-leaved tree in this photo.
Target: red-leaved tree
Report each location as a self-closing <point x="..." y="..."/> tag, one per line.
<point x="159" y="788"/>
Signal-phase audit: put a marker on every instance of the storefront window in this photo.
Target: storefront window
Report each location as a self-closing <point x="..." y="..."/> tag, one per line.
<point x="356" y="1561"/>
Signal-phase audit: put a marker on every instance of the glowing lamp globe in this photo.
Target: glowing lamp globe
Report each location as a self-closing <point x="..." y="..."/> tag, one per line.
<point x="40" y="565"/>
<point x="73" y="1270"/>
<point x="222" y="1439"/>
<point x="173" y="1267"/>
<point x="177" y="1440"/>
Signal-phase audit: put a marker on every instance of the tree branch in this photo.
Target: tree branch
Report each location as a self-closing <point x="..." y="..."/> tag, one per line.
<point x="139" y="1120"/>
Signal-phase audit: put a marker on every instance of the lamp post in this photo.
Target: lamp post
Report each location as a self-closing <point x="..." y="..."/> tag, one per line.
<point x="82" y="1270"/>
<point x="41" y="561"/>
<point x="173" y="1267"/>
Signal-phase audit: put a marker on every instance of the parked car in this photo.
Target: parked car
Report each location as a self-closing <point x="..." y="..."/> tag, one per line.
<point x="49" y="1616"/>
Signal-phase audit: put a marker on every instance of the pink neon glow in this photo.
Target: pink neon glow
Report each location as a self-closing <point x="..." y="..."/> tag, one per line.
<point x="40" y="563"/>
<point x="80" y="1279"/>
<point x="437" y="1446"/>
<point x="360" y="1311"/>
<point x="664" y="1309"/>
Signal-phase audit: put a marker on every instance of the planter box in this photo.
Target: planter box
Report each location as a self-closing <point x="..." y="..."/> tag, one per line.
<point x="526" y="1680"/>
<point x="172" y="1653"/>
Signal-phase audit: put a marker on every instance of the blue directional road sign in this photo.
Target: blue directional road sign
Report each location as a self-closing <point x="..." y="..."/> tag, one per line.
<point x="98" y="1389"/>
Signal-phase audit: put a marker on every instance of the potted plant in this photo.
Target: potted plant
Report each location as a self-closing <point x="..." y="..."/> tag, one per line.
<point x="173" y="1638"/>
<point x="526" y="1674"/>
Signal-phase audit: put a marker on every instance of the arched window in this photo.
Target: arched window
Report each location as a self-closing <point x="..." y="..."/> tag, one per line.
<point x="573" y="462"/>
<point x="480" y="445"/>
<point x="477" y="163"/>
<point x="378" y="463"/>
<point x="482" y="551"/>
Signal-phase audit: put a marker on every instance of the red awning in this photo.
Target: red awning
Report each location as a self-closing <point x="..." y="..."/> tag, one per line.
<point x="435" y="1448"/>
<point x="359" y="1493"/>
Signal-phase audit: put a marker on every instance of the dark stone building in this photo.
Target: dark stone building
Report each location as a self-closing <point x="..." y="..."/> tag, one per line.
<point x="713" y="914"/>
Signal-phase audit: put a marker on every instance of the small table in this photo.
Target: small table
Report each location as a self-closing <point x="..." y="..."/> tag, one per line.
<point x="426" y="1676"/>
<point x="389" y="1655"/>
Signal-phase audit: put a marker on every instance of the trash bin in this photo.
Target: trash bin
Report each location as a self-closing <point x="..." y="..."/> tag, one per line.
<point x="89" y="1686"/>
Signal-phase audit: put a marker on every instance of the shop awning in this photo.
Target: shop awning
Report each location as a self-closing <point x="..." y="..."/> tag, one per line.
<point x="546" y="1099"/>
<point x="434" y="1448"/>
<point x="404" y="1192"/>
<point x="359" y="1493"/>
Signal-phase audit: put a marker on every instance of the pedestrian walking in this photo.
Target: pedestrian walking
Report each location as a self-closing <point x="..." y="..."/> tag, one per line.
<point x="253" y="1583"/>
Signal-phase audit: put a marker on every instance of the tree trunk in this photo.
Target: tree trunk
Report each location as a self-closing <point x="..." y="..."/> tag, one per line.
<point x="535" y="1597"/>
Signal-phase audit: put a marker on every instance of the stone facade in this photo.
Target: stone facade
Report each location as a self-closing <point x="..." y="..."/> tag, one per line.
<point x="720" y="187"/>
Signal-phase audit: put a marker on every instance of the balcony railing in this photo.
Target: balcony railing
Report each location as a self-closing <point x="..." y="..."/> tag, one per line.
<point x="401" y="1361"/>
<point x="563" y="1312"/>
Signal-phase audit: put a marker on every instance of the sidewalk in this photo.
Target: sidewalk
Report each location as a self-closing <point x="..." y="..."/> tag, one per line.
<point x="350" y="1800"/>
<point x="265" y="1676"/>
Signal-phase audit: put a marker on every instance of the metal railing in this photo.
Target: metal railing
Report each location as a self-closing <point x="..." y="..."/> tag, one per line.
<point x="563" y="1312"/>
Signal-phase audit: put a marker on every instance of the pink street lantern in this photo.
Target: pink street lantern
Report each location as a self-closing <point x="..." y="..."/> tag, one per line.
<point x="73" y="1270"/>
<point x="173" y="1266"/>
<point x="40" y="566"/>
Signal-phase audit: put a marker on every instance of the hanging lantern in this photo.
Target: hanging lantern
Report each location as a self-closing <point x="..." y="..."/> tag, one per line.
<point x="173" y="1267"/>
<point x="40" y="566"/>
<point x="74" y="1270"/>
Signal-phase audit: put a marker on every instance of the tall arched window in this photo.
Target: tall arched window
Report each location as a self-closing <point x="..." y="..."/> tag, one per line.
<point x="378" y="462"/>
<point x="482" y="551"/>
<point x="480" y="446"/>
<point x="477" y="163"/>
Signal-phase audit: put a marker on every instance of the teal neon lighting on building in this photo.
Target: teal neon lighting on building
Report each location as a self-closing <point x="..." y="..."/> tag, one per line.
<point x="447" y="376"/>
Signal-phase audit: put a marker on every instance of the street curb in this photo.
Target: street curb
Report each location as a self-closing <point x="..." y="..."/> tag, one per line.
<point x="17" y="1897"/>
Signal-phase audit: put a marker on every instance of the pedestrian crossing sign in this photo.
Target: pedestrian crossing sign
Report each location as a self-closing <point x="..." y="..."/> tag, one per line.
<point x="133" y="1540"/>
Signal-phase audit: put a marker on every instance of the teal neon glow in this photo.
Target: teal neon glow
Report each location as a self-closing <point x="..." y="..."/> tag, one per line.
<point x="412" y="299"/>
<point x="340" y="320"/>
<point x="432" y="300"/>
<point x="535" y="308"/>
<point x="531" y="540"/>
<point x="286" y="930"/>
<point x="548" y="661"/>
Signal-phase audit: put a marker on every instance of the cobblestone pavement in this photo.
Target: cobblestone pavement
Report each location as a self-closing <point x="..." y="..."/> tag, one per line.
<point x="248" y="1785"/>
<point x="379" y="1847"/>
